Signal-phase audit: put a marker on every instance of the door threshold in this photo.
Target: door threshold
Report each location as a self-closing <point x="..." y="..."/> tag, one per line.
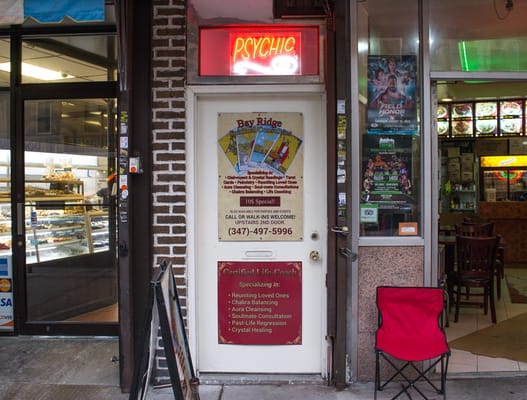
<point x="260" y="379"/>
<point x="486" y="374"/>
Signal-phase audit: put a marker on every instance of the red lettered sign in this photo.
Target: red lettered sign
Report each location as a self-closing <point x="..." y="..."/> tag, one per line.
<point x="265" y="54"/>
<point x="259" y="50"/>
<point x="260" y="303"/>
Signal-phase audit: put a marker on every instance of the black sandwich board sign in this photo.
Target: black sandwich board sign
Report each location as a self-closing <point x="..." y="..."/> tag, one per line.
<point x="164" y="313"/>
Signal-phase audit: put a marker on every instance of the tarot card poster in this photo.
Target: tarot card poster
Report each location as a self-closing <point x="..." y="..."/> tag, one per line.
<point x="387" y="173"/>
<point x="260" y="172"/>
<point x="392" y="90"/>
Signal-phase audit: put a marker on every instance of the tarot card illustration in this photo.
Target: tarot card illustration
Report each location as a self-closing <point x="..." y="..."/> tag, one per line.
<point x="263" y="142"/>
<point x="283" y="153"/>
<point x="245" y="142"/>
<point x="230" y="149"/>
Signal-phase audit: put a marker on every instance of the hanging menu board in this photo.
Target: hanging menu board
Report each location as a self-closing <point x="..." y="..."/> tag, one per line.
<point x="443" y="119"/>
<point x="462" y="120"/>
<point x="486" y="119"/>
<point x="511" y="117"/>
<point x="492" y="118"/>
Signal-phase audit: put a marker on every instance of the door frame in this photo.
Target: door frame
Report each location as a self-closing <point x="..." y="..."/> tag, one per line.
<point x="430" y="103"/>
<point x="193" y="95"/>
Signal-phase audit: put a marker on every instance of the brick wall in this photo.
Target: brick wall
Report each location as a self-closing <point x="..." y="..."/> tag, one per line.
<point x="168" y="146"/>
<point x="168" y="134"/>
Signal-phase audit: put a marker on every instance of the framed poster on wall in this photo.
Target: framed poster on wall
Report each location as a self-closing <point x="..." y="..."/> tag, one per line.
<point x="260" y="180"/>
<point x="388" y="198"/>
<point x="392" y="90"/>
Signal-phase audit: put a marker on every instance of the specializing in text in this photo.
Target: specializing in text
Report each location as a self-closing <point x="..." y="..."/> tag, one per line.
<point x="259" y="302"/>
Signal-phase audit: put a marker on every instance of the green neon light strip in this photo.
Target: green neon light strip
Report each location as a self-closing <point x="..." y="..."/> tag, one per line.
<point x="463" y="57"/>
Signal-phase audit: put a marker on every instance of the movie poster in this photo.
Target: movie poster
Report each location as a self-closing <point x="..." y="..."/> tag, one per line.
<point x="387" y="171"/>
<point x="392" y="91"/>
<point x="260" y="188"/>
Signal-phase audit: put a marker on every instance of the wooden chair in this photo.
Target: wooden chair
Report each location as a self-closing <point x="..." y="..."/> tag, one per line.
<point x="501" y="250"/>
<point x="476" y="259"/>
<point x="483" y="229"/>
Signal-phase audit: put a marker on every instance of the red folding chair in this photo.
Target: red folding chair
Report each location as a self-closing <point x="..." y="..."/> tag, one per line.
<point x="410" y="332"/>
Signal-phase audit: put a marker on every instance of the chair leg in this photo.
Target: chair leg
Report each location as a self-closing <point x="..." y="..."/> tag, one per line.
<point x="501" y="261"/>
<point x="485" y="300"/>
<point x="492" y="303"/>
<point x="498" y="284"/>
<point x="458" y="302"/>
<point x="377" y="374"/>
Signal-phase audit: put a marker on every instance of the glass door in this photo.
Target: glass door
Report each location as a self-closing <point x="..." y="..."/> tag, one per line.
<point x="68" y="214"/>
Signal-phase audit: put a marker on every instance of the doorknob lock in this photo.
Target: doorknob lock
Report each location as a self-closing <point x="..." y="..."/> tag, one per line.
<point x="314" y="255"/>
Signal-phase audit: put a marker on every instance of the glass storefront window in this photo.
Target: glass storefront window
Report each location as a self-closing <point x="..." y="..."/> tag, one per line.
<point x="63" y="59"/>
<point x="471" y="37"/>
<point x="79" y="126"/>
<point x="389" y="118"/>
<point x="5" y="60"/>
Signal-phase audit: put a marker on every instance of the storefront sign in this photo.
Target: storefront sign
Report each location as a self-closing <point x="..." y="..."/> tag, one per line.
<point x="263" y="50"/>
<point x="260" y="185"/>
<point x="265" y="54"/>
<point x="260" y="303"/>
<point x="392" y="103"/>
<point x="6" y="295"/>
<point x="503" y="161"/>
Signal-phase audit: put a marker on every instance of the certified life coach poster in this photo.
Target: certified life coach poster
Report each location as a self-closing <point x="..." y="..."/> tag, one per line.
<point x="260" y="172"/>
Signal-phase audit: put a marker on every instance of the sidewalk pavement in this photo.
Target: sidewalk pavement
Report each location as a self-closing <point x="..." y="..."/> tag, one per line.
<point x="491" y="388"/>
<point x="33" y="368"/>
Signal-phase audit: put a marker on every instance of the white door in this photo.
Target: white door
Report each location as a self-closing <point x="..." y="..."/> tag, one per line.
<point x="260" y="232"/>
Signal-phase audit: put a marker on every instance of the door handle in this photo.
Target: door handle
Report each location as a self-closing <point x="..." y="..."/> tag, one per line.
<point x="20" y="219"/>
<point x="348" y="253"/>
<point x="314" y="255"/>
<point x="342" y="230"/>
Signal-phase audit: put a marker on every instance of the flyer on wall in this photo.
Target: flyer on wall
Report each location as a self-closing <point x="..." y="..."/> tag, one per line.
<point x="260" y="303"/>
<point x="387" y="175"/>
<point x="392" y="89"/>
<point x="6" y="295"/>
<point x="260" y="176"/>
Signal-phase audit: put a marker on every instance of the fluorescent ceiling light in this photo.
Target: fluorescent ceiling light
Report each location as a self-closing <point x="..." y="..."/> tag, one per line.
<point x="33" y="71"/>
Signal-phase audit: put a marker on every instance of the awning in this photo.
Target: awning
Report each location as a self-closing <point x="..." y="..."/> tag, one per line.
<point x="13" y="12"/>
<point x="56" y="10"/>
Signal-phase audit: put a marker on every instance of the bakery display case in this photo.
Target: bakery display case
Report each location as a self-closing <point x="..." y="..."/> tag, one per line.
<point x="58" y="222"/>
<point x="98" y="231"/>
<point x="55" y="234"/>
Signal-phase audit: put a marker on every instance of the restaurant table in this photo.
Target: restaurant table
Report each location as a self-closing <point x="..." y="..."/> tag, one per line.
<point x="449" y="243"/>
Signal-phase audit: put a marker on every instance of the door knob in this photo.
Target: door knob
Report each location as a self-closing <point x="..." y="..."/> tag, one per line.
<point x="314" y="255"/>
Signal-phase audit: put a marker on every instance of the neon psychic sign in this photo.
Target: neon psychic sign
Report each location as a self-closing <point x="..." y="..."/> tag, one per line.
<point x="259" y="50"/>
<point x="270" y="54"/>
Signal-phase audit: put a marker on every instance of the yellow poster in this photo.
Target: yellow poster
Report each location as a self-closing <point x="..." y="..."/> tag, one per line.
<point x="260" y="176"/>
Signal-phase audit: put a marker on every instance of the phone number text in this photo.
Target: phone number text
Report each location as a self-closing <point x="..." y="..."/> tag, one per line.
<point x="260" y="231"/>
